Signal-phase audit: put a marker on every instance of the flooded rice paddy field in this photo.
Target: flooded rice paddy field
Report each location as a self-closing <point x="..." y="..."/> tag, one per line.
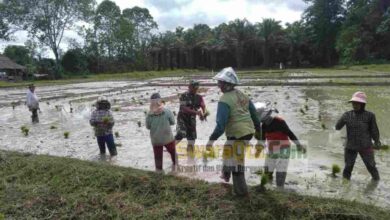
<point x="310" y="111"/>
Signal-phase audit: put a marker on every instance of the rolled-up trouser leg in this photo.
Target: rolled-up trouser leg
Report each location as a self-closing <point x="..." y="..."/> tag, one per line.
<point x="369" y="160"/>
<point x="239" y="184"/>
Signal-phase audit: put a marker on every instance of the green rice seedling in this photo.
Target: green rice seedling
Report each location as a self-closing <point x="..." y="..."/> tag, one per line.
<point x="66" y="134"/>
<point x="117" y="109"/>
<point x="139" y="123"/>
<point x="264" y="180"/>
<point x="174" y="113"/>
<point x="302" y="111"/>
<point x="287" y="97"/>
<point x="385" y="147"/>
<point x="106" y="120"/>
<point x="323" y="126"/>
<point x="275" y="103"/>
<point x="306" y="107"/>
<point x="141" y="102"/>
<point x="53" y="127"/>
<point x="25" y="130"/>
<point x="117" y="134"/>
<point x="335" y="170"/>
<point x="13" y="105"/>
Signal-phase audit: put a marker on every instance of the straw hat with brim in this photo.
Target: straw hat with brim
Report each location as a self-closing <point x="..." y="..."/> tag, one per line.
<point x="359" y="97"/>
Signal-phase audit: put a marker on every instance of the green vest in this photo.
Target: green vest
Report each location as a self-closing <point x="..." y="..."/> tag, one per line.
<point x="240" y="122"/>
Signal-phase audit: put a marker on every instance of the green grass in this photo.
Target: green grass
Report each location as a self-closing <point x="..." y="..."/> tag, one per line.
<point x="45" y="187"/>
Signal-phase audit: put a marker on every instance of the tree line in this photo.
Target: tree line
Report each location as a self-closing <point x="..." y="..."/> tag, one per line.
<point x="330" y="32"/>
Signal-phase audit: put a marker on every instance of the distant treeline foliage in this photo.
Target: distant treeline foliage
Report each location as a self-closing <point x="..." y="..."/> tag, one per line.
<point x="330" y="32"/>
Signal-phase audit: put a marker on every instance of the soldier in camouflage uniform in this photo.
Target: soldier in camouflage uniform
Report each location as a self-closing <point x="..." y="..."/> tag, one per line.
<point x="191" y="105"/>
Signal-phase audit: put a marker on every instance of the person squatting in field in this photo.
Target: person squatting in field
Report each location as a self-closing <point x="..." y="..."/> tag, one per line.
<point x="361" y="130"/>
<point x="102" y="121"/>
<point x="236" y="117"/>
<point x="191" y="105"/>
<point x="159" y="121"/>
<point x="277" y="135"/>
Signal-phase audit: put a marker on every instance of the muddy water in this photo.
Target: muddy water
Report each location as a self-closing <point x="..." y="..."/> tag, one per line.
<point x="320" y="105"/>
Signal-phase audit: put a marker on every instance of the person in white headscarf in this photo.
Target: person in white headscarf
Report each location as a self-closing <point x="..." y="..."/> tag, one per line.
<point x="32" y="102"/>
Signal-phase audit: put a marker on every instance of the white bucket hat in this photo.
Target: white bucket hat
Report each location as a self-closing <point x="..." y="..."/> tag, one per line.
<point x="227" y="75"/>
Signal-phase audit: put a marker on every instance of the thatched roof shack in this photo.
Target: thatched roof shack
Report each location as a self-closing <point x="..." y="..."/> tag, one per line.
<point x="13" y="70"/>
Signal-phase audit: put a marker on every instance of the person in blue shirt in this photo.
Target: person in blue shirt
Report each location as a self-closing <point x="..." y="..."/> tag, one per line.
<point x="237" y="118"/>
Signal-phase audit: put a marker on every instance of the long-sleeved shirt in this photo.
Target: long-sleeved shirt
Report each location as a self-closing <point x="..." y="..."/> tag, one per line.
<point x="277" y="128"/>
<point x="223" y="112"/>
<point x="102" y="121"/>
<point x="160" y="127"/>
<point x="361" y="129"/>
<point x="32" y="100"/>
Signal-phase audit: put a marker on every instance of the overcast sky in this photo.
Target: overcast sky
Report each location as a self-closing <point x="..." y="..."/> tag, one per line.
<point x="172" y="13"/>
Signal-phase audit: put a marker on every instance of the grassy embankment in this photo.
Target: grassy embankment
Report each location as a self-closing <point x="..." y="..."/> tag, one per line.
<point x="45" y="187"/>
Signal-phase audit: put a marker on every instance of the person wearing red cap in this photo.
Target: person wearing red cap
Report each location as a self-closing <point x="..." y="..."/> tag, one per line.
<point x="361" y="130"/>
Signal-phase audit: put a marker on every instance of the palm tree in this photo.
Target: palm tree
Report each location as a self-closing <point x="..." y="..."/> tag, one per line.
<point x="267" y="30"/>
<point x="235" y="35"/>
<point x="295" y="34"/>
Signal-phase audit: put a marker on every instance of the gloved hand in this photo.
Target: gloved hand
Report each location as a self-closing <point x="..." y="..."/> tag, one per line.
<point x="258" y="135"/>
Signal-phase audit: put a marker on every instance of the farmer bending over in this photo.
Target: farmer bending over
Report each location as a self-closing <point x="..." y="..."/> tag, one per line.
<point x="277" y="135"/>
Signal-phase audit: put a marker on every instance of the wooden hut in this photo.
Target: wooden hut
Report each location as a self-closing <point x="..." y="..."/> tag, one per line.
<point x="12" y="70"/>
